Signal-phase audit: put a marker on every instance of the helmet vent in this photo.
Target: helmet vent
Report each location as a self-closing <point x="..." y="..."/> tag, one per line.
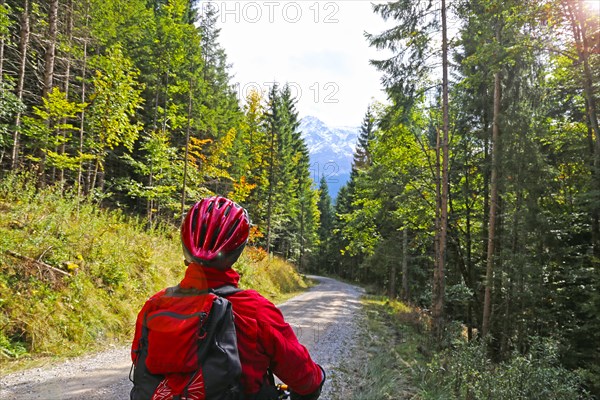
<point x="232" y="229"/>
<point x="202" y="235"/>
<point x="214" y="238"/>
<point x="195" y="219"/>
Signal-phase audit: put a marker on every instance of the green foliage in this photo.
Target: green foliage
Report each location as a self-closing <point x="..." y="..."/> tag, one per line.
<point x="410" y="41"/>
<point x="96" y="303"/>
<point x="9" y="106"/>
<point x="271" y="276"/>
<point x="466" y="372"/>
<point x="114" y="103"/>
<point x="547" y="236"/>
<point x="127" y="22"/>
<point x="283" y="201"/>
<point x="111" y="264"/>
<point x="50" y="127"/>
<point x="5" y="21"/>
<point x="12" y="348"/>
<point x="142" y="113"/>
<point x="161" y="169"/>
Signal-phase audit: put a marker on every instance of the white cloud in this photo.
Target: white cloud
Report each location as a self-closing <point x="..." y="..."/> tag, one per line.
<point x="317" y="46"/>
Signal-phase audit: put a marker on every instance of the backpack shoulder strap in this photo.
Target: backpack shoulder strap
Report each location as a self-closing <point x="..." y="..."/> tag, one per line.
<point x="225" y="291"/>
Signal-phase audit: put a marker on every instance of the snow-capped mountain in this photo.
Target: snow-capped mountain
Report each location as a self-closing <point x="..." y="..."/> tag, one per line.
<point x="331" y="150"/>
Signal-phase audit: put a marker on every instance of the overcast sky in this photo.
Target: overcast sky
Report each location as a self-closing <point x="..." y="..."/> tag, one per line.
<point x="318" y="47"/>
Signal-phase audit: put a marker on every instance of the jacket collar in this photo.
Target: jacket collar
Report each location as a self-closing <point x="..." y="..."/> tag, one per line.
<point x="201" y="277"/>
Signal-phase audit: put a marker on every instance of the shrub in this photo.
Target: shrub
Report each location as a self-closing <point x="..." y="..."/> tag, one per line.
<point x="466" y="372"/>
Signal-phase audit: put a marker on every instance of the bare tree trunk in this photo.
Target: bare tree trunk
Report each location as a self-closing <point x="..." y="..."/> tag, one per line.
<point x="301" y="261"/>
<point x="271" y="187"/>
<point x="82" y="122"/>
<point x="50" y="56"/>
<point x="509" y="273"/>
<point x="23" y="46"/>
<point x="67" y="79"/>
<point x="187" y="148"/>
<point x="83" y="94"/>
<point x="487" y="306"/>
<point x="439" y="272"/>
<point x="392" y="292"/>
<point x="2" y="51"/>
<point x="49" y="60"/>
<point x="150" y="202"/>
<point x="469" y="260"/>
<point x="95" y="176"/>
<point x="405" y="291"/>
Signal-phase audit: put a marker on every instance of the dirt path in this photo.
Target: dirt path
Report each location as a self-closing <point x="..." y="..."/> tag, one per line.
<point x="326" y="320"/>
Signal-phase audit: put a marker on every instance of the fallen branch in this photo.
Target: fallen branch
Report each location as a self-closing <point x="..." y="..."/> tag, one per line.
<point x="40" y="263"/>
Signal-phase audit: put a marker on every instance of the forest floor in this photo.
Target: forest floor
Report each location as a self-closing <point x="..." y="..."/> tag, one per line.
<point x="327" y="319"/>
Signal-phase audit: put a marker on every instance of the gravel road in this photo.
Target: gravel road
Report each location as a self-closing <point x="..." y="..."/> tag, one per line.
<point x="326" y="320"/>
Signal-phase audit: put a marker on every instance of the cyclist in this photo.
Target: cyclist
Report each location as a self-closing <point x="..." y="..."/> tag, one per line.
<point x="214" y="234"/>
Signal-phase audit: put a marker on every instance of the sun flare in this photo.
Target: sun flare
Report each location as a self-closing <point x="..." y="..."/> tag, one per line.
<point x="592" y="6"/>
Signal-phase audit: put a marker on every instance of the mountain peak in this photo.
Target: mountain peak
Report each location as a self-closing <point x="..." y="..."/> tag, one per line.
<point x="312" y="122"/>
<point x="331" y="151"/>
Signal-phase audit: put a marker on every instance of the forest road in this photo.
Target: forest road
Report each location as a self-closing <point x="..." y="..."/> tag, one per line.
<point x="326" y="319"/>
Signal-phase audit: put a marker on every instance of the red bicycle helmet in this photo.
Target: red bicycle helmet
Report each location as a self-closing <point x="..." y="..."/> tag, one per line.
<point x="214" y="232"/>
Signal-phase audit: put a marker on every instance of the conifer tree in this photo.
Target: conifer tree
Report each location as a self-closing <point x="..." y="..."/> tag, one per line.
<point x="362" y="155"/>
<point x="326" y="220"/>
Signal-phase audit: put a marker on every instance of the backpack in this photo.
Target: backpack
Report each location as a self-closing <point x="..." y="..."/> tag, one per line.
<point x="188" y="348"/>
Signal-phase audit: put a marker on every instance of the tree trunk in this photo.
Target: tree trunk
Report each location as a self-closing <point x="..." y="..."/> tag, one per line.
<point x="67" y="78"/>
<point x="301" y="260"/>
<point x="82" y="124"/>
<point x="150" y="202"/>
<point x="439" y="273"/>
<point x="469" y="257"/>
<point x="50" y="56"/>
<point x="487" y="306"/>
<point x="95" y="176"/>
<point x="187" y="148"/>
<point x="405" y="291"/>
<point x="513" y="271"/>
<point x="2" y="50"/>
<point x="271" y="187"/>
<point x="393" y="273"/>
<point x="49" y="60"/>
<point x="23" y="46"/>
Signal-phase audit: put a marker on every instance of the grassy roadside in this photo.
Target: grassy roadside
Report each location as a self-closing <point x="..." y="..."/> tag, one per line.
<point x="392" y="342"/>
<point x="73" y="277"/>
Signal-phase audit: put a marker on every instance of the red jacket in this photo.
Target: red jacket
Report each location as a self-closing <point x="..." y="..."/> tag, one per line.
<point x="264" y="338"/>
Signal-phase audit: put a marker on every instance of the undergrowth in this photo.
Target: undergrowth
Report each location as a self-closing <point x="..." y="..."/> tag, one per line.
<point x="393" y="339"/>
<point x="400" y="362"/>
<point x="273" y="277"/>
<point x="73" y="277"/>
<point x="466" y="372"/>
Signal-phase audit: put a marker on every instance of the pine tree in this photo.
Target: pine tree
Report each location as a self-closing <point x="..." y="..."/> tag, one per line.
<point x="362" y="156"/>
<point x="326" y="220"/>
